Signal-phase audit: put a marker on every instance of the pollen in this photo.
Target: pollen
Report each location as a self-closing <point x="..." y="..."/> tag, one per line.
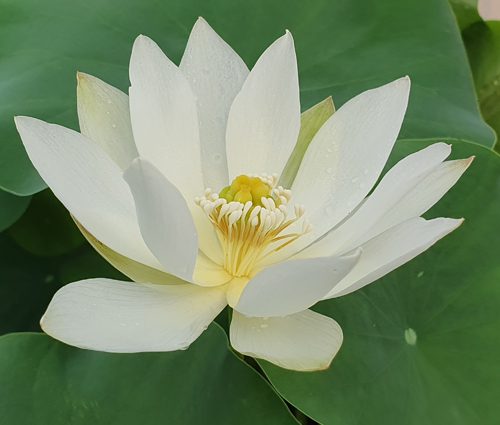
<point x="253" y="219"/>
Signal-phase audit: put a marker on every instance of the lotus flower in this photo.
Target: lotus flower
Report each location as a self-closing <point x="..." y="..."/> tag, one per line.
<point x="181" y="186"/>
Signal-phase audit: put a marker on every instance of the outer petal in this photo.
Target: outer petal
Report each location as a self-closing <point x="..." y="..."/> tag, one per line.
<point x="164" y="219"/>
<point x="216" y="74"/>
<point x="293" y="286"/>
<point x="164" y="118"/>
<point x="264" y="120"/>
<point x="397" y="184"/>
<point x="104" y="116"/>
<point x="348" y="153"/>
<point x="423" y="196"/>
<point x="126" y="317"/>
<point x="88" y="183"/>
<point x="392" y="249"/>
<point x="304" y="341"/>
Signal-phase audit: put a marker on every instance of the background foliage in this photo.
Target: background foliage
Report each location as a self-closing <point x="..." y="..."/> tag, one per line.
<point x="448" y="297"/>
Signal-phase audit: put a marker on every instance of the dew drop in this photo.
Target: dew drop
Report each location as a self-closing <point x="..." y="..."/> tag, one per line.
<point x="49" y="278"/>
<point x="420" y="273"/>
<point x="113" y="125"/>
<point x="217" y="158"/>
<point x="410" y="336"/>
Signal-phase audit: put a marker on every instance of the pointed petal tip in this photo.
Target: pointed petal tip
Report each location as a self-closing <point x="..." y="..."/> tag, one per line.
<point x="404" y="81"/>
<point x="203" y="28"/>
<point x="288" y="36"/>
<point x="141" y="39"/>
<point x="201" y="21"/>
<point x="84" y="79"/>
<point x="22" y="120"/>
<point x="456" y="222"/>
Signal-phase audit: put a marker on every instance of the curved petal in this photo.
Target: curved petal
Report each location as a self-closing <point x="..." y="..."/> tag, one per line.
<point x="88" y="183"/>
<point x="208" y="273"/>
<point x="293" y="286"/>
<point x="216" y="74"/>
<point x="126" y="317"/>
<point x="164" y="117"/>
<point x="400" y="181"/>
<point x="304" y="341"/>
<point x="347" y="155"/>
<point x="422" y="196"/>
<point x="164" y="219"/>
<point x="134" y="270"/>
<point x="104" y="116"/>
<point x="264" y="120"/>
<point x="392" y="249"/>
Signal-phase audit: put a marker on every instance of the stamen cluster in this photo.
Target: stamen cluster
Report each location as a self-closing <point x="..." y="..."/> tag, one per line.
<point x="252" y="230"/>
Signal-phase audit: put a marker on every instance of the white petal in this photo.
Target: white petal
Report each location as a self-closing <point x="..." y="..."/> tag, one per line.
<point x="164" y="117"/>
<point x="216" y="74"/>
<point x="264" y="120"/>
<point x="423" y="195"/>
<point x="392" y="190"/>
<point x="126" y="317"/>
<point x="164" y="219"/>
<point x="208" y="273"/>
<point x="104" y="116"/>
<point x="304" y="341"/>
<point x="392" y="249"/>
<point x="293" y="286"/>
<point x="88" y="183"/>
<point x="348" y="153"/>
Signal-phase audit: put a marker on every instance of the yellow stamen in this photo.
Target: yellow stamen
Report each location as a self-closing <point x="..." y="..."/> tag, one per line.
<point x="252" y="217"/>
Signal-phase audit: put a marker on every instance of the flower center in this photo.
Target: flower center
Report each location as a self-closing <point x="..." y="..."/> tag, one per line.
<point x="253" y="219"/>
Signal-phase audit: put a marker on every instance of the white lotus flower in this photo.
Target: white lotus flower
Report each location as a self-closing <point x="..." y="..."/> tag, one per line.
<point x="177" y="185"/>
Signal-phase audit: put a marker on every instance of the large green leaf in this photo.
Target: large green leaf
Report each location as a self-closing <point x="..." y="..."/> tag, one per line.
<point x="421" y="345"/>
<point x="11" y="208"/>
<point x="483" y="47"/>
<point x="343" y="47"/>
<point x="46" y="382"/>
<point x="46" y="229"/>
<point x="465" y="12"/>
<point x="27" y="282"/>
